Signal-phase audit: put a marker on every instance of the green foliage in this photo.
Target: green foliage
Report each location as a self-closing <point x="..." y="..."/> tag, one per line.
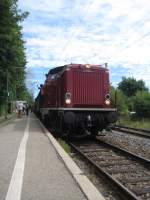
<point x="129" y="86"/>
<point x="12" y="52"/>
<point x="142" y="104"/>
<point x="118" y="100"/>
<point x="130" y="103"/>
<point x="64" y="145"/>
<point x="135" y="123"/>
<point x="137" y="96"/>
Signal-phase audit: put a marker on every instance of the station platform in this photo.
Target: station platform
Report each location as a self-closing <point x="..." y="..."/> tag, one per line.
<point x="33" y="166"/>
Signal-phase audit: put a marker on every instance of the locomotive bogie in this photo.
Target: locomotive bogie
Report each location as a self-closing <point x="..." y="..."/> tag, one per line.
<point x="79" y="122"/>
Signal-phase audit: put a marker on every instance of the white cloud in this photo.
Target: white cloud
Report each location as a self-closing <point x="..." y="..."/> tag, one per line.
<point x="42" y="5"/>
<point x="110" y="31"/>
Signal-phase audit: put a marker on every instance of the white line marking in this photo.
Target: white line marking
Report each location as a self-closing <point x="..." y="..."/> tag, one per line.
<point x="15" y="186"/>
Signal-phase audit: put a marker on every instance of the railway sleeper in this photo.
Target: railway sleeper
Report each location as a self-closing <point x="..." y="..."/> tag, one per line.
<point x="120" y="170"/>
<point x="135" y="180"/>
<point x="110" y="159"/>
<point x="140" y="191"/>
<point x="92" y="150"/>
<point x="113" y="164"/>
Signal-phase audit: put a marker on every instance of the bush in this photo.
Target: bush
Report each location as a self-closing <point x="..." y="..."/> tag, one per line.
<point x="120" y="101"/>
<point x="142" y="104"/>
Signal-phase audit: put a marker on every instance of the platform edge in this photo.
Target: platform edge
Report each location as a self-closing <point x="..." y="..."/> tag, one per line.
<point x="86" y="186"/>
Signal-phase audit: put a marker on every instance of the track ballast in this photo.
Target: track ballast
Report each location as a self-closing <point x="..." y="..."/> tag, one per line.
<point x="138" y="132"/>
<point x="129" y="173"/>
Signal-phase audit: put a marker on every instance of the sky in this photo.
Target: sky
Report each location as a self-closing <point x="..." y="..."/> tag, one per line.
<point x="59" y="32"/>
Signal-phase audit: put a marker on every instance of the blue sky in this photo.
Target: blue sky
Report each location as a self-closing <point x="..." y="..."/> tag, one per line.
<point x="87" y="31"/>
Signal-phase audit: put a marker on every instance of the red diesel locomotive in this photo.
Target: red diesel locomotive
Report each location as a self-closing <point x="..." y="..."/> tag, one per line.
<point x="75" y="99"/>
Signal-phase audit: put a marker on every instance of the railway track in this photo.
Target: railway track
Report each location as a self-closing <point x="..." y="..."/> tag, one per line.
<point x="138" y="132"/>
<point x="128" y="172"/>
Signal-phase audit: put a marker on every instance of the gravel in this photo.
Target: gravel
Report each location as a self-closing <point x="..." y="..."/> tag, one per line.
<point x="101" y="184"/>
<point x="135" y="144"/>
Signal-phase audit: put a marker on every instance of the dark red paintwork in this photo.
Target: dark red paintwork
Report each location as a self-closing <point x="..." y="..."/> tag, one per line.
<point x="88" y="87"/>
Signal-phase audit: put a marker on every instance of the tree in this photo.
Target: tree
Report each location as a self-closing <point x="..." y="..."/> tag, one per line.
<point x="129" y="86"/>
<point x="12" y="52"/>
<point x="118" y="100"/>
<point x="142" y="104"/>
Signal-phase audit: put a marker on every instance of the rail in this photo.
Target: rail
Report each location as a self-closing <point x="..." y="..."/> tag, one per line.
<point x="138" y="132"/>
<point x="130" y="173"/>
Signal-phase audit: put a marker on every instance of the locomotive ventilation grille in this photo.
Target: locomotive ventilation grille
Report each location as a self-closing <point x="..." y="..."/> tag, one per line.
<point x="88" y="88"/>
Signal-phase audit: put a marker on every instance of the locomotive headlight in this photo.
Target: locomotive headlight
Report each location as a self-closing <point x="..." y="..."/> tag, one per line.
<point x="107" y="102"/>
<point x="107" y="99"/>
<point x="88" y="66"/>
<point x="68" y="98"/>
<point x="68" y="101"/>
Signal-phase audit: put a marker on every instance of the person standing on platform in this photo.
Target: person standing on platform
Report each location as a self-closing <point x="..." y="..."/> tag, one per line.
<point x="27" y="109"/>
<point x="19" y="109"/>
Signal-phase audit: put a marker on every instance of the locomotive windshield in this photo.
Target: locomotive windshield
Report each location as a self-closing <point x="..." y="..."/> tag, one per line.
<point x="56" y="70"/>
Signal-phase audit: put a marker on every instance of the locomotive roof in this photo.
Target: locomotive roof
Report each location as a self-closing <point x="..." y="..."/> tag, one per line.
<point x="61" y="68"/>
<point x="56" y="70"/>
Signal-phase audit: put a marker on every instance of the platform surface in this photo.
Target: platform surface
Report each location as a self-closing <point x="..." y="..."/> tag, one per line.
<point x="30" y="168"/>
